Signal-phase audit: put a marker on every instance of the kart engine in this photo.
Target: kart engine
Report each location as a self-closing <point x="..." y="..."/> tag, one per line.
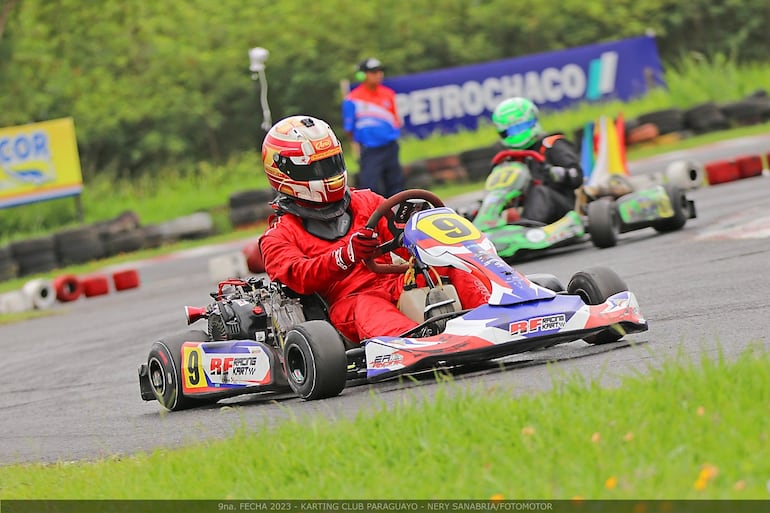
<point x="251" y="310"/>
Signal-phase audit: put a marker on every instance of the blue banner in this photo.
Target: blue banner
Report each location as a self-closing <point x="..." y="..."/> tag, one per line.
<point x="453" y="99"/>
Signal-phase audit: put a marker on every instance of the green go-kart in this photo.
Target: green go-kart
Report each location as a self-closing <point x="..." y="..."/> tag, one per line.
<point x="602" y="217"/>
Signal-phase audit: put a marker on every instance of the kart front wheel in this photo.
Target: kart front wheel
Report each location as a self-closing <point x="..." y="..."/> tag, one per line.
<point x="680" y="207"/>
<point x="594" y="286"/>
<point x="315" y="360"/>
<point x="603" y="222"/>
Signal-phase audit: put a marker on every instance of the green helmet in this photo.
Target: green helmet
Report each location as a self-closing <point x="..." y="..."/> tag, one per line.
<point x="516" y="122"/>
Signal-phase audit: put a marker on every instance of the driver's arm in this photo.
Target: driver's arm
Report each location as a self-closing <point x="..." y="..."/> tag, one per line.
<point x="287" y="262"/>
<point x="565" y="161"/>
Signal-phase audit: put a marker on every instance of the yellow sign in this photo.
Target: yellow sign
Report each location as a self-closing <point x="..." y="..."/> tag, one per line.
<point x="38" y="162"/>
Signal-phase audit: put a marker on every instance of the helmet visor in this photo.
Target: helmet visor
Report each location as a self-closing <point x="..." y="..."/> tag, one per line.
<point x="319" y="170"/>
<point x="519" y="128"/>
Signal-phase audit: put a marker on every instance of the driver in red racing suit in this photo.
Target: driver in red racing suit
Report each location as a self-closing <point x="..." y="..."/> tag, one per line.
<point x="317" y="240"/>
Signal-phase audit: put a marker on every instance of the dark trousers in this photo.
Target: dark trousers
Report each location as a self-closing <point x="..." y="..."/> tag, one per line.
<point x="381" y="170"/>
<point x="547" y="205"/>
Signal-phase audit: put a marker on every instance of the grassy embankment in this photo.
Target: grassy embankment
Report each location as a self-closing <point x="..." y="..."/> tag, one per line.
<point x="686" y="430"/>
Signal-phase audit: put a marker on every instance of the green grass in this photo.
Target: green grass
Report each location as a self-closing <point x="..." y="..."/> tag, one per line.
<point x="685" y="430"/>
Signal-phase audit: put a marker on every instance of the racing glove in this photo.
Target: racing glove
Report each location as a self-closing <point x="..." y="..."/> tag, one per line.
<point x="564" y="177"/>
<point x="361" y="246"/>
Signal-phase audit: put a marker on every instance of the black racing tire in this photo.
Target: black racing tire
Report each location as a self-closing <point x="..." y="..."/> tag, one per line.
<point x="78" y="245"/>
<point x="164" y="365"/>
<point x="9" y="269"/>
<point x="124" y="242"/>
<point x="667" y="120"/>
<point x="5" y="254"/>
<point x="250" y="197"/>
<point x="416" y="176"/>
<point x="153" y="237"/>
<point x="705" y="117"/>
<point x="315" y="360"/>
<point x="594" y="285"/>
<point x="34" y="256"/>
<point x="250" y="214"/>
<point x="680" y="207"/>
<point x="603" y="222"/>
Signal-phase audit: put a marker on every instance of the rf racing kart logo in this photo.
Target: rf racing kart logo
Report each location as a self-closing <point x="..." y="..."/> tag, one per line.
<point x="545" y="323"/>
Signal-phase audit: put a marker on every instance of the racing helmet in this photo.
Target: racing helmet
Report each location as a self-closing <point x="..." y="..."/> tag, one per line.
<point x="516" y="120"/>
<point x="303" y="161"/>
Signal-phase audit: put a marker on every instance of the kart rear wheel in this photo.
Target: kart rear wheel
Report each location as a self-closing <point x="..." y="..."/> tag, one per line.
<point x="603" y="222"/>
<point x="594" y="286"/>
<point x="315" y="360"/>
<point x="680" y="207"/>
<point x="164" y="366"/>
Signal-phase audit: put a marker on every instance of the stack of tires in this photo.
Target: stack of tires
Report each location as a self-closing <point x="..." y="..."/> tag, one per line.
<point x="35" y="255"/>
<point x="478" y="162"/>
<point x="446" y="169"/>
<point x="78" y="245"/>
<point x="417" y="175"/>
<point x="751" y="110"/>
<point x="705" y="117"/>
<point x="122" y="234"/>
<point x="9" y="269"/>
<point x="250" y="207"/>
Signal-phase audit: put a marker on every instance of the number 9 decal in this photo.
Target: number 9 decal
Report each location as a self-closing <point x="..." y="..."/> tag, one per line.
<point x="448" y="228"/>
<point x="192" y="367"/>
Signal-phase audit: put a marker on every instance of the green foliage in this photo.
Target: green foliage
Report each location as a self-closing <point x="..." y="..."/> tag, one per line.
<point x="161" y="92"/>
<point x="154" y="84"/>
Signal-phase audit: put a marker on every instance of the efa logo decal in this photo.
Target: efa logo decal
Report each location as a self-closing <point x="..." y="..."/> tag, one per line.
<point x="545" y="323"/>
<point x="385" y="360"/>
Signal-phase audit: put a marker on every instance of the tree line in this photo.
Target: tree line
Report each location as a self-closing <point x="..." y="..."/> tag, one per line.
<point x="154" y="84"/>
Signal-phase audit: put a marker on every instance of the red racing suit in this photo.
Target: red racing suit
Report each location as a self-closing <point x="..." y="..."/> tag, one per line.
<point x="362" y="304"/>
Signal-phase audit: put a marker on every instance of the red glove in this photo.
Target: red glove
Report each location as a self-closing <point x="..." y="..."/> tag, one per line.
<point x="361" y="246"/>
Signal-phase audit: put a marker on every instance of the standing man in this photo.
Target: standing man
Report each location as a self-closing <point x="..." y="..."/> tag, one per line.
<point x="371" y="121"/>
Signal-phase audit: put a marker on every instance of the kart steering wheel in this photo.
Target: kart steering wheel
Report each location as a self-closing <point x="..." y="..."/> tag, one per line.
<point x="517" y="155"/>
<point x="408" y="202"/>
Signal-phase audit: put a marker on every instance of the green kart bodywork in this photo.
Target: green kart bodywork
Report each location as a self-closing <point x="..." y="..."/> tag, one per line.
<point x="663" y="207"/>
<point x="505" y="188"/>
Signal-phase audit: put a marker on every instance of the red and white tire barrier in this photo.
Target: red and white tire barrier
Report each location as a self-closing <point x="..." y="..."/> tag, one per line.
<point x="125" y="279"/>
<point x="685" y="174"/>
<point x="722" y="171"/>
<point x="749" y="165"/>
<point x="68" y="287"/>
<point x="95" y="285"/>
<point x="41" y="293"/>
<point x="15" y="301"/>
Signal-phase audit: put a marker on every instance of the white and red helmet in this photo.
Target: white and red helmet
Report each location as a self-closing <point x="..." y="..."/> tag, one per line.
<point x="303" y="160"/>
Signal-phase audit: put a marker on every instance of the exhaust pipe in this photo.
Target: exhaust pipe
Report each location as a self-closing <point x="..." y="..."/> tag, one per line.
<point x="194" y="313"/>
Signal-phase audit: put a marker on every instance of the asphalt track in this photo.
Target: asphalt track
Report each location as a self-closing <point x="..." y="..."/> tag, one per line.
<point x="69" y="382"/>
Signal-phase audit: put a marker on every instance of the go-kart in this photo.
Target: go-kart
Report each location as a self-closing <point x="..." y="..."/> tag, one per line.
<point x="663" y="207"/>
<point x="604" y="213"/>
<point x="262" y="337"/>
<point x="499" y="213"/>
